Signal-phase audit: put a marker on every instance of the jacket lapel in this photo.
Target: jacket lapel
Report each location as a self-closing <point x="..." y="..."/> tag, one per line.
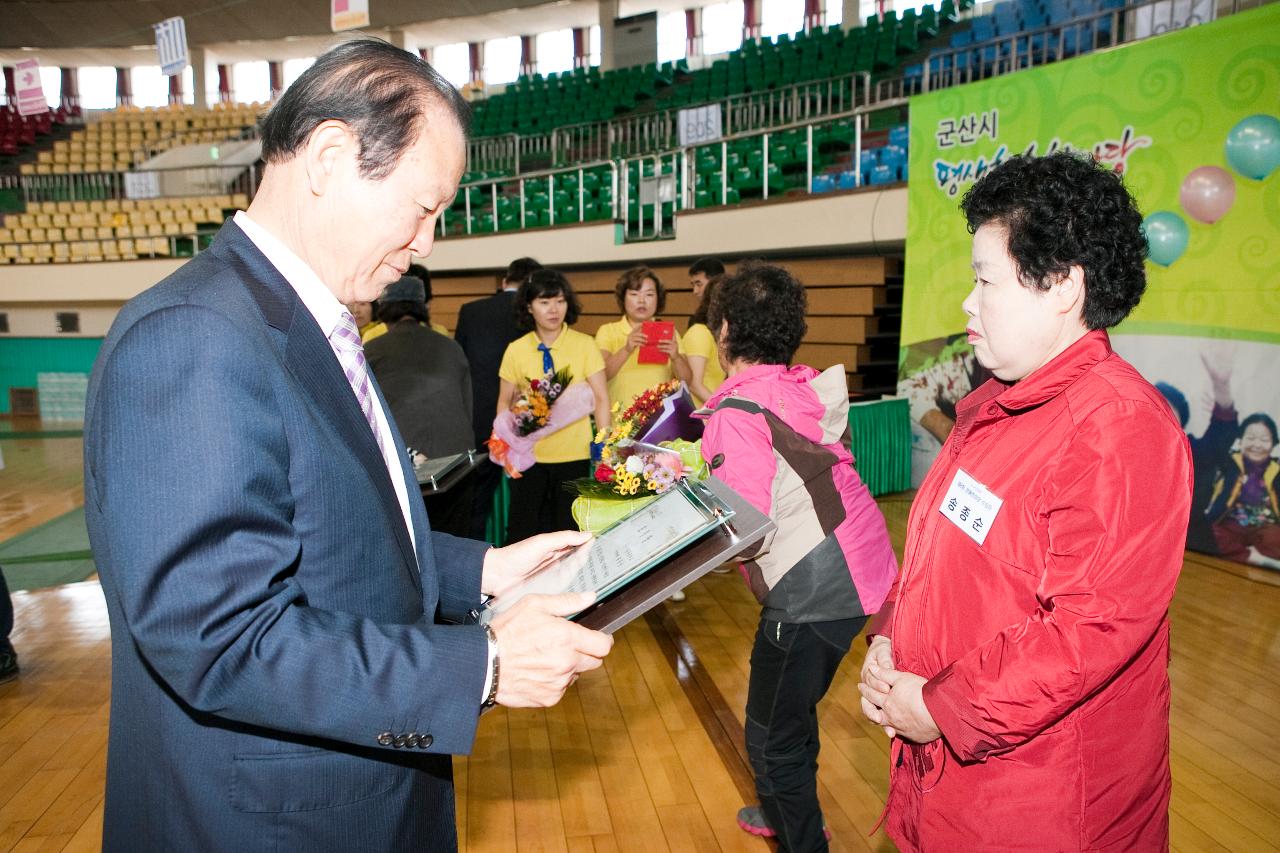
<point x="310" y="359"/>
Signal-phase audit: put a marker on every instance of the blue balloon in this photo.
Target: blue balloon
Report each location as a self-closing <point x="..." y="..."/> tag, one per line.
<point x="1253" y="146"/>
<point x="1167" y="236"/>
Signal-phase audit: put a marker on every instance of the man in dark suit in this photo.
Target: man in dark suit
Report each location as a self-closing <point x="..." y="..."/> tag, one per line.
<point x="286" y="667"/>
<point x="485" y="327"/>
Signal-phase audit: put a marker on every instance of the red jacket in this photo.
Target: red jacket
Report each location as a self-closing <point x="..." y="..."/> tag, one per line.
<point x="1046" y="647"/>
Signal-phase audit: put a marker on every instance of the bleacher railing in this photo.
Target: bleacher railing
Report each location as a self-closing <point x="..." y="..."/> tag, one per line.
<point x="88" y="186"/>
<point x="684" y="161"/>
<point x="640" y="134"/>
<point x="493" y="189"/>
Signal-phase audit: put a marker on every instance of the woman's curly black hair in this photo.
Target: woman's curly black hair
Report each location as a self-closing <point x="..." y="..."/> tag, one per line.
<point x="541" y="284"/>
<point x="764" y="307"/>
<point x="1066" y="210"/>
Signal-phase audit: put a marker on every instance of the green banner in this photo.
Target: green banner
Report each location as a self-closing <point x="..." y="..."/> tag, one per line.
<point x="1160" y="110"/>
<point x="1192" y="121"/>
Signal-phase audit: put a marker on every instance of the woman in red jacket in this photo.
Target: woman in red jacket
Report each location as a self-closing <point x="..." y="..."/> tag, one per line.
<point x="1021" y="662"/>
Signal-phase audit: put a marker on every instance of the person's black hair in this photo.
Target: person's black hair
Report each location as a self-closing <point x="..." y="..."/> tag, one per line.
<point x="1266" y="421"/>
<point x="699" y="314"/>
<point x="633" y="279"/>
<point x="710" y="267"/>
<point x="519" y="270"/>
<point x="543" y="283"/>
<point x="381" y="92"/>
<point x="1061" y="211"/>
<point x="764" y="307"/>
<point x="1177" y="401"/>
<point x="423" y="275"/>
<point x="393" y="312"/>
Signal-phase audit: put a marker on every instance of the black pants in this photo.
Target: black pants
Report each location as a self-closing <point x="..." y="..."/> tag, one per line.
<point x="6" y="612"/>
<point x="539" y="501"/>
<point x="450" y="512"/>
<point x="792" y="665"/>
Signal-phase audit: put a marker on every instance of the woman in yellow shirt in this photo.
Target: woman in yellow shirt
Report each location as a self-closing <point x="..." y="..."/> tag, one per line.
<point x="699" y="345"/>
<point x="641" y="297"/>
<point x="546" y="305"/>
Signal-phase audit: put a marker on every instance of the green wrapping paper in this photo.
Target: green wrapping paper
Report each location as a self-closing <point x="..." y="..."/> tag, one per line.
<point x="594" y="514"/>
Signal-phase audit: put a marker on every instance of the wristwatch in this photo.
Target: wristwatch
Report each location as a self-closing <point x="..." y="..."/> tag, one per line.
<point x="492" y="698"/>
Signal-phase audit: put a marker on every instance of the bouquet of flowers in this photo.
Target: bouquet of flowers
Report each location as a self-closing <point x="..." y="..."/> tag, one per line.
<point x="546" y="405"/>
<point x="644" y="452"/>
<point x="532" y="408"/>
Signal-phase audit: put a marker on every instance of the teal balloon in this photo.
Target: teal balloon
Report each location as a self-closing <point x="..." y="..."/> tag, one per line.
<point x="1253" y="146"/>
<point x="1167" y="236"/>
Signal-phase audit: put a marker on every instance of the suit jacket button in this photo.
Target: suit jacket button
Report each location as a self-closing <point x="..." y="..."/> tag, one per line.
<point x="411" y="740"/>
<point x="386" y="738"/>
<point x="400" y="741"/>
<point x="425" y="741"/>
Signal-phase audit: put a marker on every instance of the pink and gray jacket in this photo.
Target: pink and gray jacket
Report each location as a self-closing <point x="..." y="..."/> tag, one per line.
<point x="779" y="437"/>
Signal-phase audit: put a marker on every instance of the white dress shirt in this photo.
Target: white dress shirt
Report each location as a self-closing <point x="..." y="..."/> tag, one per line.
<point x="327" y="311"/>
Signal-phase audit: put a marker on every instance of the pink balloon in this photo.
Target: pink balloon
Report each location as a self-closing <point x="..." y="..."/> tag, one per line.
<point x="1207" y="193"/>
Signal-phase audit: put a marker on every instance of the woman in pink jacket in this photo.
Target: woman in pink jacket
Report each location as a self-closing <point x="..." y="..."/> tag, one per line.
<point x="775" y="437"/>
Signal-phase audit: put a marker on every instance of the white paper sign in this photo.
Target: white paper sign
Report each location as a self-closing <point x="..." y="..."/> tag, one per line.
<point x="29" y="91"/>
<point x="348" y="14"/>
<point x="699" y="124"/>
<point x="970" y="506"/>
<point x="141" y="184"/>
<point x="171" y="44"/>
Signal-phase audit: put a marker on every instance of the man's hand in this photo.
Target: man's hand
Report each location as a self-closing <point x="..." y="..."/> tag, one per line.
<point x="900" y="708"/>
<point x="540" y="653"/>
<point x="879" y="655"/>
<point x="506" y="567"/>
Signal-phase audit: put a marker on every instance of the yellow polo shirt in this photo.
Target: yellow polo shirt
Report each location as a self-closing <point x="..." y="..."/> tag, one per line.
<point x="523" y="361"/>
<point x="698" y="341"/>
<point x="634" y="378"/>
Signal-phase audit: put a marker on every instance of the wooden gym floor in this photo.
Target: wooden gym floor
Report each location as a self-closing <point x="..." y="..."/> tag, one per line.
<point x="646" y="753"/>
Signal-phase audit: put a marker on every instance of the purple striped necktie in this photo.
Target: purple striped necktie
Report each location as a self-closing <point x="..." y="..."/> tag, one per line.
<point x="345" y="341"/>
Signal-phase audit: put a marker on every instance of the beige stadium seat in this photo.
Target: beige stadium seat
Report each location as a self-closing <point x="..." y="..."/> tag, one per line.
<point x="155" y="229"/>
<point x="104" y="232"/>
<point x="71" y="234"/>
<point x="11" y="250"/>
<point x="20" y="235"/>
<point x="53" y="235"/>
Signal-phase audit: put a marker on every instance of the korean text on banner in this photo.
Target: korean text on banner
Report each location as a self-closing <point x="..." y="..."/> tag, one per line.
<point x="348" y="14"/>
<point x="29" y="92"/>
<point x="171" y="44"/>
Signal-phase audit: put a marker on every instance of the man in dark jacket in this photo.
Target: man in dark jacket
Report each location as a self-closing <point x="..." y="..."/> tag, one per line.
<point x="485" y="327"/>
<point x="424" y="377"/>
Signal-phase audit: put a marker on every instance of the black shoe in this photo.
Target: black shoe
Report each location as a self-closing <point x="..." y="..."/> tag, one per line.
<point x="8" y="663"/>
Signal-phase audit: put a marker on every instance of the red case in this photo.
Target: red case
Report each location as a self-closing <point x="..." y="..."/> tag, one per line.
<point x="655" y="331"/>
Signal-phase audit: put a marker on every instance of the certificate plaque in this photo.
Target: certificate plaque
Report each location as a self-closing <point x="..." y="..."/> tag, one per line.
<point x="639" y="561"/>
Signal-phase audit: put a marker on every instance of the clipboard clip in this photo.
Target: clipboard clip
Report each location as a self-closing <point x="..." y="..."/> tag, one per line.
<point x="712" y="506"/>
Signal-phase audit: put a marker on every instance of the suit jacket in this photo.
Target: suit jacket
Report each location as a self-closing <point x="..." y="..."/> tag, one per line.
<point x="427" y="383"/>
<point x="485" y="327"/>
<point x="275" y="637"/>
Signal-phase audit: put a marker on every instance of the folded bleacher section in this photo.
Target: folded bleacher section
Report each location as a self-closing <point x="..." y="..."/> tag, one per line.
<point x="114" y="229"/>
<point x="121" y="139"/>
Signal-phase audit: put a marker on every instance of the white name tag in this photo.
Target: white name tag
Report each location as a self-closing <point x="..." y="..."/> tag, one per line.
<point x="970" y="506"/>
